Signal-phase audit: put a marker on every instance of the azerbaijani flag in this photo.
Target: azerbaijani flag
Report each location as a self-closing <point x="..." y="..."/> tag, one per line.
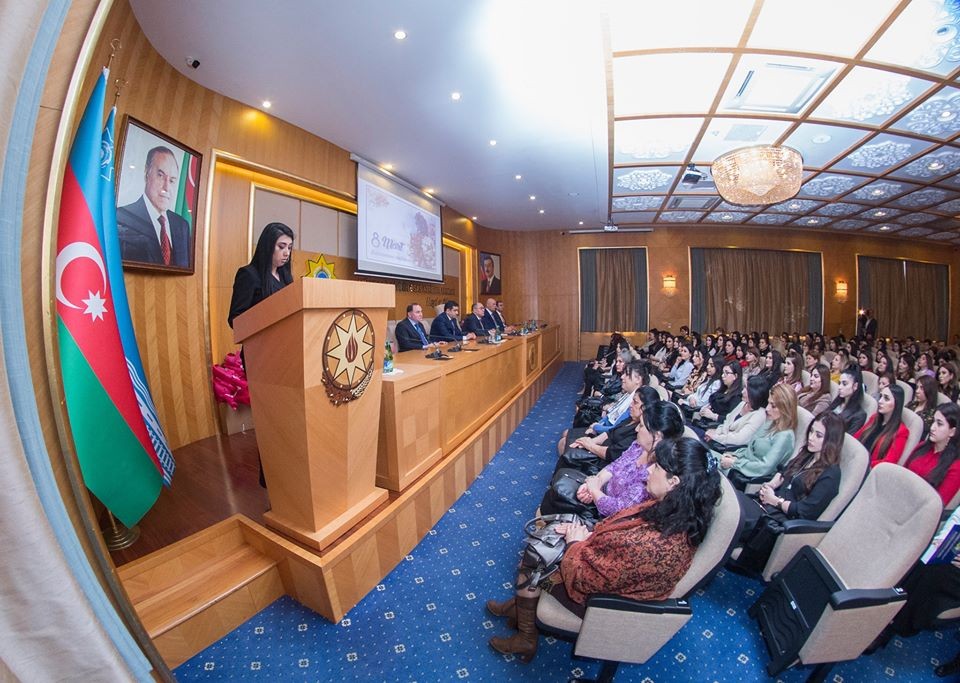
<point x="110" y="240"/>
<point x="116" y="455"/>
<point x="187" y="191"/>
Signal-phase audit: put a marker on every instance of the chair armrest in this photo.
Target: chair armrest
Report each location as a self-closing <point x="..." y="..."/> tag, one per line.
<point x="854" y="598"/>
<point x="616" y="602"/>
<point x="806" y="526"/>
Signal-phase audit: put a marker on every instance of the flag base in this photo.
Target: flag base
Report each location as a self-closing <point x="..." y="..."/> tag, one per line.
<point x="117" y="536"/>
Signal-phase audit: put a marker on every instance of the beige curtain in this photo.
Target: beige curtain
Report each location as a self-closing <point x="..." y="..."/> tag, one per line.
<point x="925" y="292"/>
<point x="616" y="296"/>
<point x="751" y="289"/>
<point x="886" y="280"/>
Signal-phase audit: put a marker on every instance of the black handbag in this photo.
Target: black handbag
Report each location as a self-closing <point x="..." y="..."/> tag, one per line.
<point x="561" y="496"/>
<point x="586" y="416"/>
<point x="543" y="547"/>
<point x="759" y="544"/>
<point x="582" y="460"/>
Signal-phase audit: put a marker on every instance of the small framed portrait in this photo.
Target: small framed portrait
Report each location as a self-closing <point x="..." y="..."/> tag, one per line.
<point x="490" y="273"/>
<point x="157" y="190"/>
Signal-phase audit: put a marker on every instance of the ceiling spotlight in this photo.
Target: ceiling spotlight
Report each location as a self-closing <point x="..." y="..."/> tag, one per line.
<point x="473" y="218"/>
<point x="400" y="34"/>
<point x="455" y="96"/>
<point x="880" y="214"/>
<point x="935" y="165"/>
<point x="884" y="227"/>
<point x="541" y="210"/>
<point x="388" y="167"/>
<point x="877" y="193"/>
<point x="267" y="104"/>
<point x="692" y="176"/>
<point x="517" y="177"/>
<point x="493" y="143"/>
<point x="580" y="223"/>
<point x="726" y="217"/>
<point x="813" y="221"/>
<point x="429" y="190"/>
<point x="533" y="197"/>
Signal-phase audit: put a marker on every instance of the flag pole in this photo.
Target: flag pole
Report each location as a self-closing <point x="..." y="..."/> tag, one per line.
<point x="117" y="536"/>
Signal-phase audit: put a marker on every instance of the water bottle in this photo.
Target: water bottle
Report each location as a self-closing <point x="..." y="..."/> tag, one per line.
<point x="388" y="358"/>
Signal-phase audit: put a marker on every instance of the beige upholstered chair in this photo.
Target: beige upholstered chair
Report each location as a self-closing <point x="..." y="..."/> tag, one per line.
<point x="870" y="381"/>
<point x="834" y="389"/>
<point x="854" y="463"/>
<point x="830" y="602"/>
<point x="907" y="391"/>
<point x="805" y="378"/>
<point x="869" y="405"/>
<point x="942" y="398"/>
<point x="914" y="424"/>
<point x="616" y="629"/>
<point x="828" y="357"/>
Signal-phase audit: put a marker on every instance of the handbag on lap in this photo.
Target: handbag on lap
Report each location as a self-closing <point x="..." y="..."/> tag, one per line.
<point x="561" y="496"/>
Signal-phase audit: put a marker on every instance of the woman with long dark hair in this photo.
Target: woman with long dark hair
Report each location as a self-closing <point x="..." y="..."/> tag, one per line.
<point x="641" y="552"/>
<point x="727" y="396"/>
<point x="816" y="397"/>
<point x="936" y="459"/>
<point x="849" y="397"/>
<point x="905" y="367"/>
<point x="710" y="384"/>
<point x="803" y="490"/>
<point x="947" y="379"/>
<point x="792" y="372"/>
<point x="924" y="401"/>
<point x="267" y="273"/>
<point x="773" y="367"/>
<point x="744" y="421"/>
<point x="884" y="435"/>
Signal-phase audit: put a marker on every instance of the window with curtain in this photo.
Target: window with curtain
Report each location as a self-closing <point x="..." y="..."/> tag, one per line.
<point x="907" y="297"/>
<point x="756" y="289"/>
<point x="613" y="290"/>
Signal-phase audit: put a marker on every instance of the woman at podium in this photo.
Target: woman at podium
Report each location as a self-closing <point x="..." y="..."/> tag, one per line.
<point x="267" y="273"/>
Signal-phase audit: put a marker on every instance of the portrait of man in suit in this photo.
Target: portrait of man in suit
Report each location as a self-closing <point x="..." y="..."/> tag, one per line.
<point x="489" y="273"/>
<point x="155" y="229"/>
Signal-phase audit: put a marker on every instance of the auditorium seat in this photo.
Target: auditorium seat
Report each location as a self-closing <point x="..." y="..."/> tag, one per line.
<point x="804" y="418"/>
<point x="907" y="391"/>
<point x="869" y="405"/>
<point x="831" y="601"/>
<point x="914" y="424"/>
<point x="942" y="398"/>
<point x="616" y="629"/>
<point x="805" y="378"/>
<point x="870" y="380"/>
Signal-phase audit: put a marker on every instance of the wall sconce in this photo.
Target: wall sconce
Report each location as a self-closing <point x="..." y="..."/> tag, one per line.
<point x="669" y="285"/>
<point x="841" y="290"/>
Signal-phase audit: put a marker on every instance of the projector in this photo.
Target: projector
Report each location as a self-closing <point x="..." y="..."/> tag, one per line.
<point x="610" y="227"/>
<point x="692" y="176"/>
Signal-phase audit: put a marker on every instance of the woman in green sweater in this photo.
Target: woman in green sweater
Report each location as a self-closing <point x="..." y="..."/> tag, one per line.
<point x="773" y="443"/>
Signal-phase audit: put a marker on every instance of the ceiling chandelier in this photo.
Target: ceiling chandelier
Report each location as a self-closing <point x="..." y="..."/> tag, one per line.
<point x="764" y="174"/>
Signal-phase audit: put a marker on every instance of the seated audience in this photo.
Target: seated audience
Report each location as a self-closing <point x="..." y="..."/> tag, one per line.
<point x="924" y="401"/>
<point x="905" y="369"/>
<point x="701" y="383"/>
<point x="634" y="376"/>
<point x="947" y="380"/>
<point x="816" y="397"/>
<point x="773" y="442"/>
<point x="641" y="552"/>
<point x="446" y="326"/>
<point x="925" y="365"/>
<point x="802" y="490"/>
<point x="753" y="366"/>
<point x="839" y="362"/>
<point x="772" y="368"/>
<point x="682" y="367"/>
<point x="883" y="363"/>
<point x="730" y="351"/>
<point x="726" y="397"/>
<point x="740" y="425"/>
<point x="811" y="358"/>
<point x="936" y="458"/>
<point x="847" y="404"/>
<point x="884" y="435"/>
<point x="864" y="360"/>
<point x="792" y="372"/>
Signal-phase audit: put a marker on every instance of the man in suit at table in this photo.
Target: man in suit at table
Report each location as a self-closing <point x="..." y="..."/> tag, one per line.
<point x="149" y="231"/>
<point x="446" y="327"/>
<point x="494" y="309"/>
<point x="478" y="322"/>
<point x="410" y="331"/>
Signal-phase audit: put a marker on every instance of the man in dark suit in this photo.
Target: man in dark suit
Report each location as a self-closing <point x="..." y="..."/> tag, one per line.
<point x="496" y="317"/>
<point x="867" y="325"/>
<point x="478" y="322"/>
<point x="410" y="332"/>
<point x="150" y="232"/>
<point x="490" y="283"/>
<point x="445" y="326"/>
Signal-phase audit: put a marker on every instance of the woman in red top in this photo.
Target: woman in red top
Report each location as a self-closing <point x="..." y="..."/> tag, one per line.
<point x="936" y="459"/>
<point x="641" y="552"/>
<point x="884" y="435"/>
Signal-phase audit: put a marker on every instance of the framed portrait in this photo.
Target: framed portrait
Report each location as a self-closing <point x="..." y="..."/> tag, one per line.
<point x="489" y="277"/>
<point x="157" y="192"/>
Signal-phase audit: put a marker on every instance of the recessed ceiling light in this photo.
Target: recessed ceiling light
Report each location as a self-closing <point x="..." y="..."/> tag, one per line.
<point x="533" y="197"/>
<point x="820" y="139"/>
<point x="473" y="218"/>
<point x="541" y="210"/>
<point x="518" y="177"/>
<point x="267" y="104"/>
<point x="812" y="221"/>
<point x="388" y="167"/>
<point x="493" y="143"/>
<point x="880" y="214"/>
<point x="455" y="96"/>
<point x="947" y="114"/>
<point x="400" y="34"/>
<point x="795" y="205"/>
<point x="935" y="165"/>
<point x="877" y="193"/>
<point x="884" y="227"/>
<point x="429" y="190"/>
<point x="726" y="217"/>
<point x="580" y="223"/>
<point x="132" y="166"/>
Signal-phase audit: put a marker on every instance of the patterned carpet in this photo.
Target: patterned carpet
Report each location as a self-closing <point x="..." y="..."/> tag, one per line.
<point x="426" y="621"/>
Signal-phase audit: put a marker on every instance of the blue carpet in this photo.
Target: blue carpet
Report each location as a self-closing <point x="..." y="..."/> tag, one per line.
<point x="426" y="621"/>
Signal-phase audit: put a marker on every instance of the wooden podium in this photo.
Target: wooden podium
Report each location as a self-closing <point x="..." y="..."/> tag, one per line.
<point x="319" y="459"/>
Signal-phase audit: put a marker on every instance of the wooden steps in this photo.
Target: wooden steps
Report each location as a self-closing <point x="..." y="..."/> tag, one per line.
<point x="192" y="593"/>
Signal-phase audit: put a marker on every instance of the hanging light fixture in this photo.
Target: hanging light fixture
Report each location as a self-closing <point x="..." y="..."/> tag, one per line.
<point x="764" y="174"/>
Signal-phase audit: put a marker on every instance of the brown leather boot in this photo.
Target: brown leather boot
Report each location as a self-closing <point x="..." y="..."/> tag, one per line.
<point x="507" y="608"/>
<point x="524" y="642"/>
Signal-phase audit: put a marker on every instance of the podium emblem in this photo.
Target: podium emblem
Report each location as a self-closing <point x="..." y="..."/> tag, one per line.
<point x="348" y="351"/>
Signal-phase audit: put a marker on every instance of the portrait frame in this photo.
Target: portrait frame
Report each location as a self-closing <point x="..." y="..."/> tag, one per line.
<point x="496" y="288"/>
<point x="139" y="241"/>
